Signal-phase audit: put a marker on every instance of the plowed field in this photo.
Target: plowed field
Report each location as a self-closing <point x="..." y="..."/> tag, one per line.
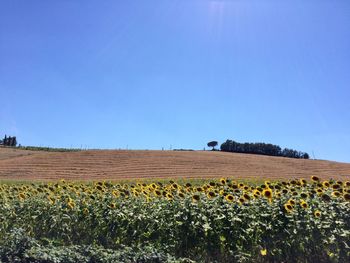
<point x="115" y="165"/>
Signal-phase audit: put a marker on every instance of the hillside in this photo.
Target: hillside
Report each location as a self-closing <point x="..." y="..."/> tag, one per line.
<point x="113" y="165"/>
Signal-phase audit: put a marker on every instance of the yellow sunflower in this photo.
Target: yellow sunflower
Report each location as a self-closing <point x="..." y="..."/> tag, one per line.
<point x="246" y="196"/>
<point x="288" y="207"/>
<point x="211" y="194"/>
<point x="303" y="204"/>
<point x="315" y="178"/>
<point x="336" y="194"/>
<point x="223" y="181"/>
<point x="267" y="192"/>
<point x="181" y="195"/>
<point x="229" y="198"/>
<point x="157" y="193"/>
<point x="195" y="198"/>
<point x="317" y="213"/>
<point x="347" y="196"/>
<point x="169" y="196"/>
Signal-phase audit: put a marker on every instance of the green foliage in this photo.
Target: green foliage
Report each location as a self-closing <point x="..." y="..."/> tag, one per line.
<point x="261" y="148"/>
<point x="19" y="247"/>
<point x="10" y="141"/>
<point x="165" y="222"/>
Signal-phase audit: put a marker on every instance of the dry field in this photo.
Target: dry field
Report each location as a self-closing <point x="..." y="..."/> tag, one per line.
<point x="115" y="165"/>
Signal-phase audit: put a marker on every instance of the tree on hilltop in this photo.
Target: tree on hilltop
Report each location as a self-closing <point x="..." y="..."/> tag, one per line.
<point x="212" y="144"/>
<point x="9" y="141"/>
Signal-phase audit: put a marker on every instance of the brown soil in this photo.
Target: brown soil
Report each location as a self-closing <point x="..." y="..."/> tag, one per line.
<point x="115" y="165"/>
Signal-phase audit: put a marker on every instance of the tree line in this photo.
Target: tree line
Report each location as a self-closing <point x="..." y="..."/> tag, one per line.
<point x="9" y="141"/>
<point x="262" y="148"/>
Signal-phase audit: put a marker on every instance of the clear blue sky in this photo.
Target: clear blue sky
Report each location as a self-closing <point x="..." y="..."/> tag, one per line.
<point x="150" y="74"/>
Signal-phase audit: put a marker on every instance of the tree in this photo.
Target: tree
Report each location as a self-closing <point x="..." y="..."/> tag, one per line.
<point x="9" y="141"/>
<point x="261" y="148"/>
<point x="212" y="144"/>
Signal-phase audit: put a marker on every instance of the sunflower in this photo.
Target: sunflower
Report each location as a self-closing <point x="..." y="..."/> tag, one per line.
<point x="241" y="200"/>
<point x="317" y="213"/>
<point x="212" y="184"/>
<point x="288" y="207"/>
<point x="199" y="189"/>
<point x="51" y="200"/>
<point x="175" y="186"/>
<point x="223" y="181"/>
<point x="293" y="182"/>
<point x="325" y="184"/>
<point x="189" y="189"/>
<point x="234" y="186"/>
<point x="229" y="198"/>
<point x="336" y="194"/>
<point x="319" y="191"/>
<point x="157" y="193"/>
<point x="315" y="178"/>
<point x="169" y="196"/>
<point x="112" y="206"/>
<point x="256" y="192"/>
<point x="267" y="193"/>
<point x="115" y="193"/>
<point x="336" y="186"/>
<point x="195" y="198"/>
<point x="181" y="195"/>
<point x="263" y="252"/>
<point x="246" y="196"/>
<point x="347" y="183"/>
<point x="303" y="204"/>
<point x="21" y="195"/>
<point x="291" y="201"/>
<point x="188" y="185"/>
<point x="302" y="181"/>
<point x="211" y="194"/>
<point x="347" y="196"/>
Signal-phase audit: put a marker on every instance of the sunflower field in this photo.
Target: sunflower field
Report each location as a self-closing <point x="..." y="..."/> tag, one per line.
<point x="208" y="221"/>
